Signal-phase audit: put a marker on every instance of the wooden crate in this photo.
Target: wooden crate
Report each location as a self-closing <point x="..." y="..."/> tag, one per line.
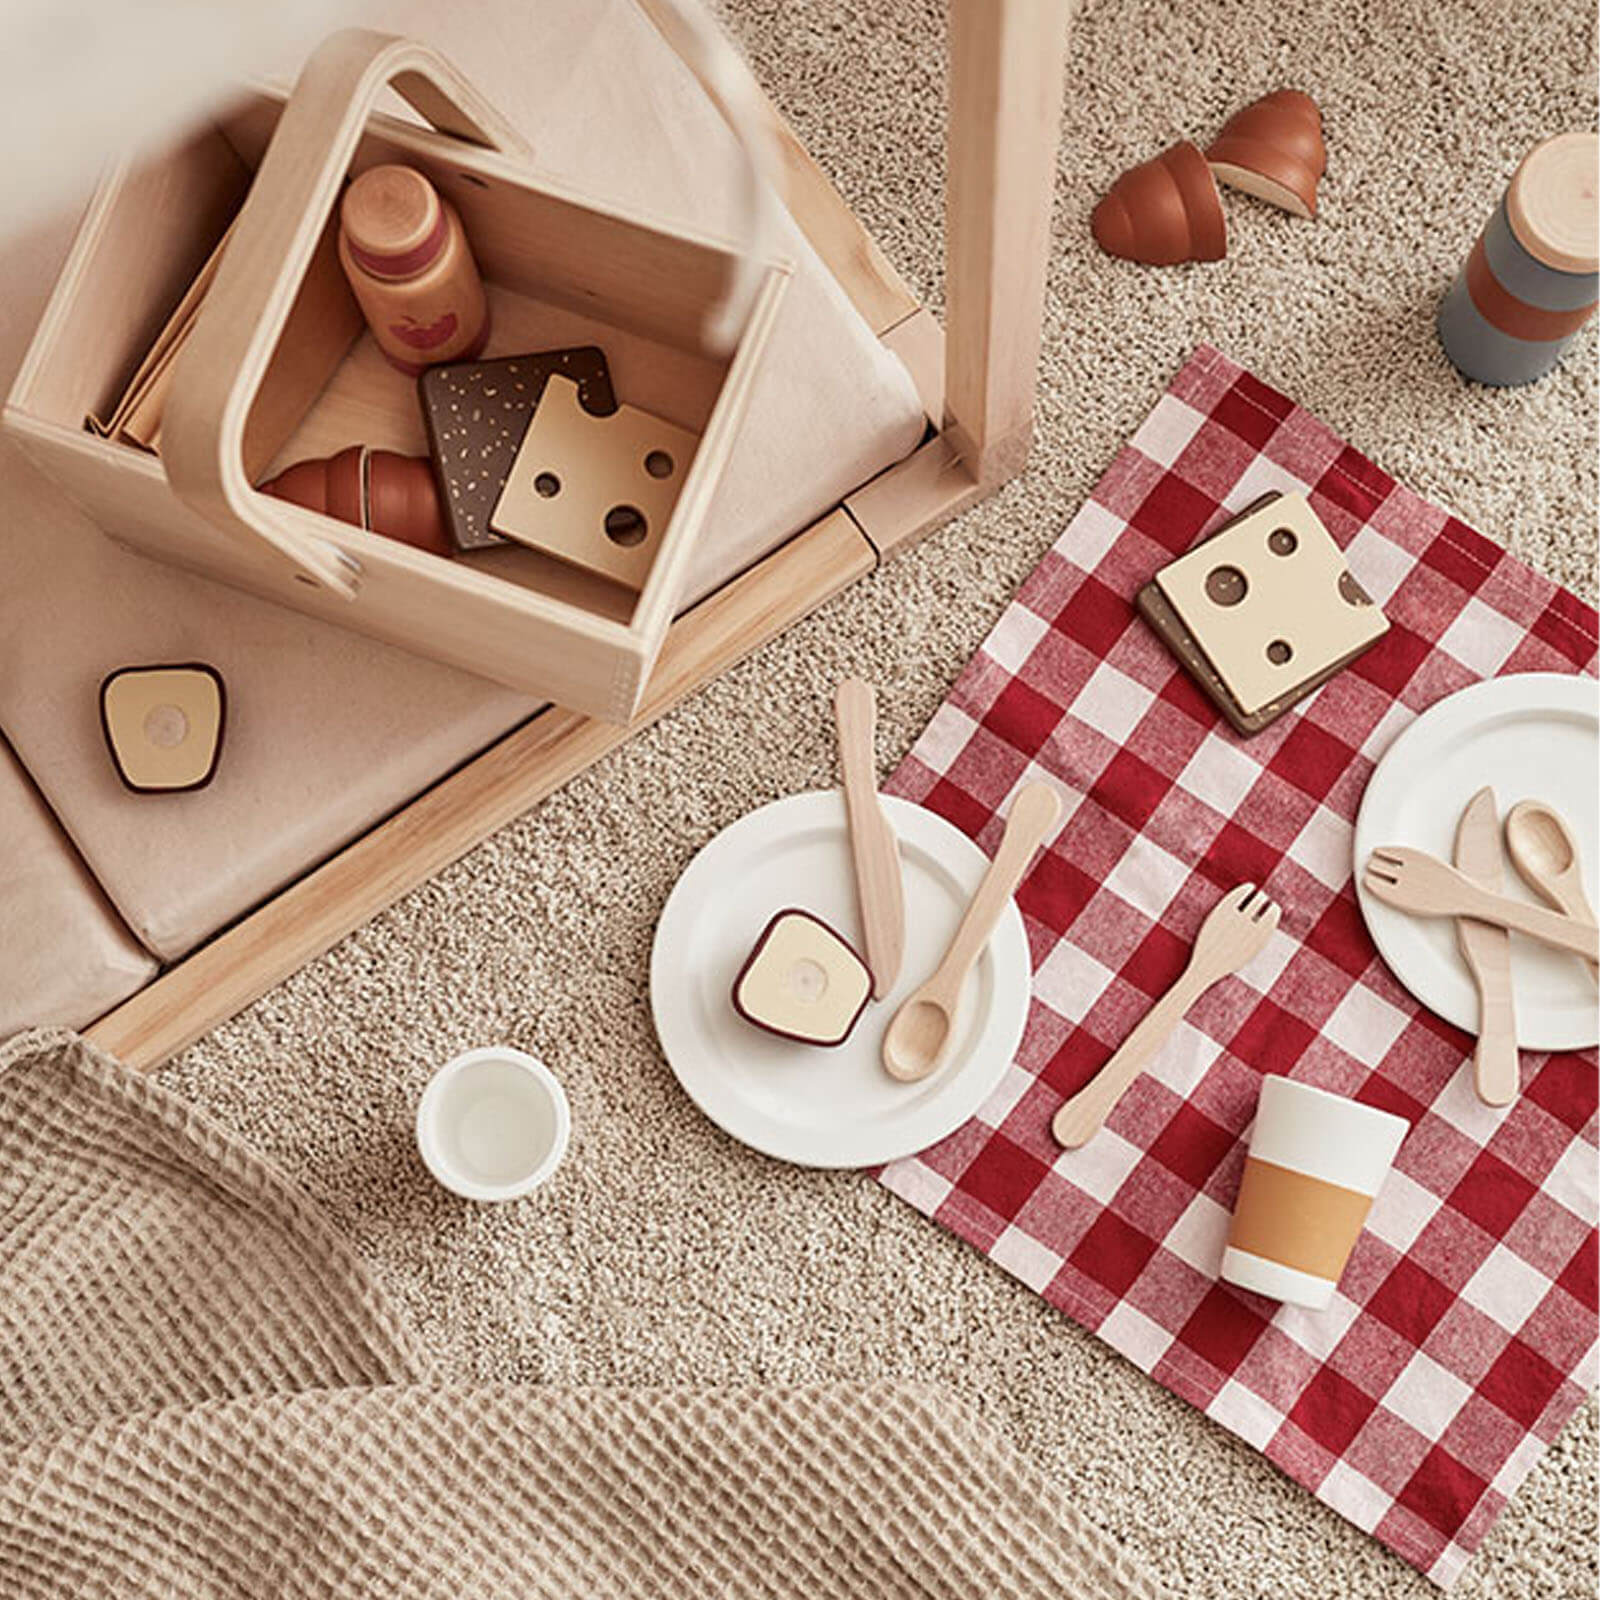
<point x="561" y="269"/>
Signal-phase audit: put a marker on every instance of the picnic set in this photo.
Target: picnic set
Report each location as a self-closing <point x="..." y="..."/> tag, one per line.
<point x="1221" y="961"/>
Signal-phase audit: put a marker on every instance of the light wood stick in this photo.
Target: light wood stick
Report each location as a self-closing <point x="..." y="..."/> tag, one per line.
<point x="1234" y="931"/>
<point x="1006" y="65"/>
<point x="874" y="850"/>
<point x="1412" y="880"/>
<point x="1496" y="1072"/>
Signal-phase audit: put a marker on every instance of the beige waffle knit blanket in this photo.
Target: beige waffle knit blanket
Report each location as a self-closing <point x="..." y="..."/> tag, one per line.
<point x="203" y="1394"/>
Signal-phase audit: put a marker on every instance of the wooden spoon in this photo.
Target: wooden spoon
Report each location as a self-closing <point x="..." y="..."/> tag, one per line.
<point x="1546" y="854"/>
<point x="920" y="1033"/>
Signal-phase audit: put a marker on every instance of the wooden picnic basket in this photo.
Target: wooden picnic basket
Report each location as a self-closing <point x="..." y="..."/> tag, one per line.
<point x="279" y="368"/>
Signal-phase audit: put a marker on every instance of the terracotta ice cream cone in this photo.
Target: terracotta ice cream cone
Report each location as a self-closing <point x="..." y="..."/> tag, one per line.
<point x="380" y="490"/>
<point x="403" y="501"/>
<point x="331" y="485"/>
<point x="1273" y="149"/>
<point x="1163" y="211"/>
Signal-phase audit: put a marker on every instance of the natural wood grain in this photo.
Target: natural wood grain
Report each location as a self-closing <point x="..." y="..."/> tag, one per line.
<point x="1235" y="930"/>
<point x="874" y="849"/>
<point x="1412" y="880"/>
<point x="917" y="1038"/>
<point x="915" y="496"/>
<point x="1006" y="62"/>
<point x="1487" y="954"/>
<point x="886" y="515"/>
<point x="1546" y="854"/>
<point x="549" y="631"/>
<point x="448" y="820"/>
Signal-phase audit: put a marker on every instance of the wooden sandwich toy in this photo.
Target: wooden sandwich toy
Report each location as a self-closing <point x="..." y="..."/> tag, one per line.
<point x="1263" y="611"/>
<point x="477" y="413"/>
<point x="163" y="725"/>
<point x="802" y="981"/>
<point x="597" y="491"/>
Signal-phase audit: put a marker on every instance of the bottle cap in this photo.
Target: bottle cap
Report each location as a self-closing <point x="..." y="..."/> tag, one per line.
<point x="394" y="224"/>
<point x="1553" y="204"/>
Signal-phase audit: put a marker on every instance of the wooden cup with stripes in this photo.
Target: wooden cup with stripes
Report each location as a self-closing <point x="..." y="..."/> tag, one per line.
<point x="1531" y="280"/>
<point x="1315" y="1164"/>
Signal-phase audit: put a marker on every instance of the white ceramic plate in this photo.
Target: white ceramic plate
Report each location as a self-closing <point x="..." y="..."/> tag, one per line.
<point x="1532" y="736"/>
<point x="829" y="1107"/>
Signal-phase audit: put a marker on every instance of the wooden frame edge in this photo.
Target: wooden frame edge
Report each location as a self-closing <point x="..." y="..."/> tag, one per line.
<point x="441" y="824"/>
<point x="993" y="351"/>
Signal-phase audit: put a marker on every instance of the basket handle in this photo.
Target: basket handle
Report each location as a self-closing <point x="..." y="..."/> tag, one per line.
<point x="274" y="237"/>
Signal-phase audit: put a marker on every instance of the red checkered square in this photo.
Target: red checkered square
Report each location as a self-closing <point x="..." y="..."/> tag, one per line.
<point x="1112" y="1253"/>
<point x="1464" y="1327"/>
<point x="1411" y="1302"/>
<point x="1493" y="1193"/>
<point x="1438" y="1490"/>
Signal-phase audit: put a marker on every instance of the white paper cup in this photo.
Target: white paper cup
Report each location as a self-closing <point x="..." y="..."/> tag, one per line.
<point x="493" y="1124"/>
<point x="1315" y="1164"/>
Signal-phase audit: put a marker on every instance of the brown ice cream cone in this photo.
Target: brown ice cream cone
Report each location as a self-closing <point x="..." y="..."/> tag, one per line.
<point x="1273" y="149"/>
<point x="380" y="490"/>
<point x="1163" y="211"/>
<point x="331" y="485"/>
<point x="403" y="501"/>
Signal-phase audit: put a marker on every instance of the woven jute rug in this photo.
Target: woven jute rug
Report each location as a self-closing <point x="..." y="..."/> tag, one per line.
<point x="202" y="1393"/>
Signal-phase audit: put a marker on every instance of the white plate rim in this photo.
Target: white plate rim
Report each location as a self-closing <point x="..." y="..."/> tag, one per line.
<point x="1548" y="692"/>
<point x="994" y="1048"/>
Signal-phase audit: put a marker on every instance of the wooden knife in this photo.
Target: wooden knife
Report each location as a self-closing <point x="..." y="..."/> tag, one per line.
<point x="1487" y="953"/>
<point x="873" y="846"/>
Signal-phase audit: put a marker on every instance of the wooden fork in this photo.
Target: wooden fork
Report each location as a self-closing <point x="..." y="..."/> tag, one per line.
<point x="1235" y="930"/>
<point x="1412" y="880"/>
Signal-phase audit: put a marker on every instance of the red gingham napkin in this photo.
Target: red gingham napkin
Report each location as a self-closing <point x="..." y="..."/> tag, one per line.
<point x="1464" y="1333"/>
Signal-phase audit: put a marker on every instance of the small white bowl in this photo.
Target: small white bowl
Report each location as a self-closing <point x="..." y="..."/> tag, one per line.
<point x="493" y="1124"/>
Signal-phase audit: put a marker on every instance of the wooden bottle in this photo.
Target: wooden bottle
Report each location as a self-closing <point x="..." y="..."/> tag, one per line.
<point x="408" y="261"/>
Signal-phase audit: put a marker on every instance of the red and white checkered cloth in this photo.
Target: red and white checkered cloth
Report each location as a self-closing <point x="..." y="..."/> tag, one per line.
<point x="1464" y="1333"/>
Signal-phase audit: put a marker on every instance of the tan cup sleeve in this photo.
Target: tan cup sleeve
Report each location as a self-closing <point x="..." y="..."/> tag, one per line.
<point x="1300" y="1222"/>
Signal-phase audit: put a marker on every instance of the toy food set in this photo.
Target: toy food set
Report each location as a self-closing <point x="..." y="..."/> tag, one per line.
<point x="411" y="270"/>
<point x="1315" y="1164"/>
<point x="803" y="981"/>
<point x="1533" y="276"/>
<point x="1470" y="1284"/>
<point x="279" y="365"/>
<point x="390" y="494"/>
<point x="1263" y="611"/>
<point x="1169" y="209"/>
<point x="476" y="414"/>
<point x="597" y="491"/>
<point x="163" y="725"/>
